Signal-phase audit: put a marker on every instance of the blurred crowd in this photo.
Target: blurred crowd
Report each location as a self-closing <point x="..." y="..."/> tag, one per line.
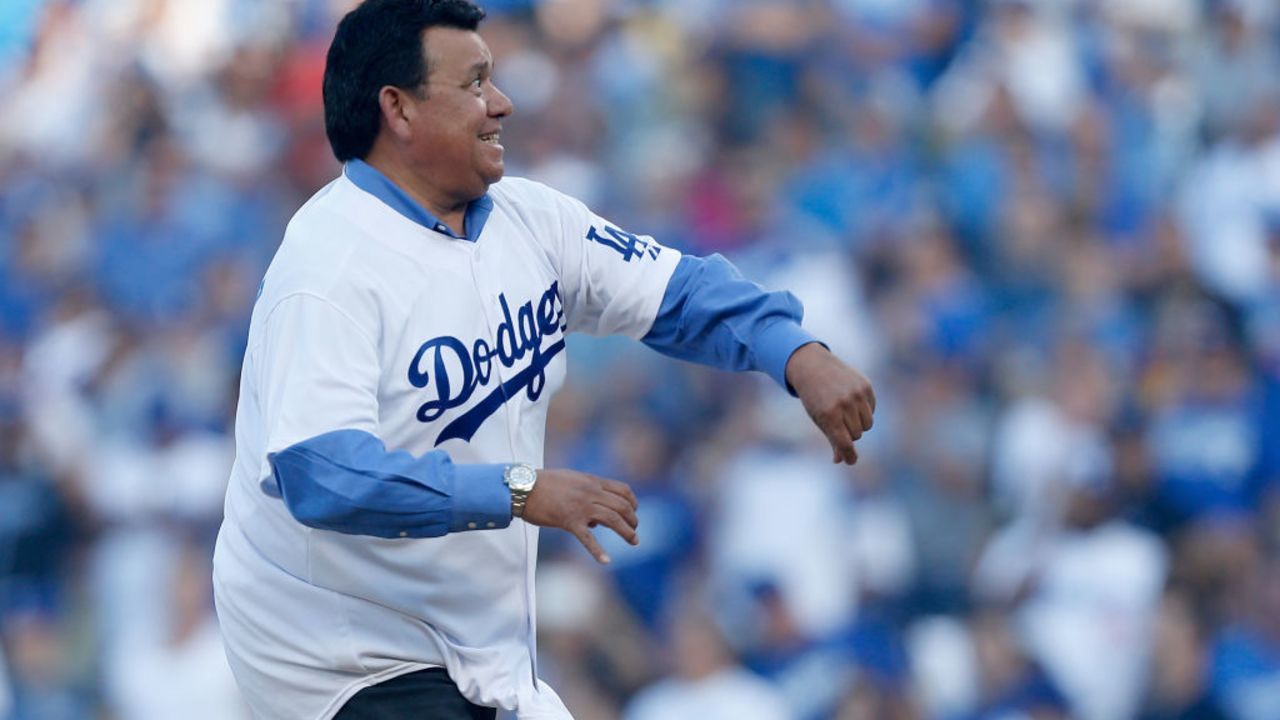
<point x="1048" y="231"/>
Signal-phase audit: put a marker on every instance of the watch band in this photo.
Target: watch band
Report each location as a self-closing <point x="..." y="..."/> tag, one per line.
<point x="519" y="498"/>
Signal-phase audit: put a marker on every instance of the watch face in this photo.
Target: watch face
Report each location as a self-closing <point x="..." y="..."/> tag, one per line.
<point x="521" y="477"/>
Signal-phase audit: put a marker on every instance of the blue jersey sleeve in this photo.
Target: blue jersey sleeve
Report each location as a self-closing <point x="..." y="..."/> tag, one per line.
<point x="712" y="315"/>
<point x="348" y="482"/>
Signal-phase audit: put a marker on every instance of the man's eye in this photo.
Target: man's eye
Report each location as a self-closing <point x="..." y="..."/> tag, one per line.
<point x="476" y="83"/>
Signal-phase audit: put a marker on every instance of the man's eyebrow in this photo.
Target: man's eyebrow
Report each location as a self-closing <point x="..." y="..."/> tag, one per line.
<point x="480" y="66"/>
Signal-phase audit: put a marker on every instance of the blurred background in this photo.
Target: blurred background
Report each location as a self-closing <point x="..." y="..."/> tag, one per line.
<point x="1049" y="231"/>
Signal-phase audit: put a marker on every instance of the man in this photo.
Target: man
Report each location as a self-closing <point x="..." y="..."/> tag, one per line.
<point x="377" y="557"/>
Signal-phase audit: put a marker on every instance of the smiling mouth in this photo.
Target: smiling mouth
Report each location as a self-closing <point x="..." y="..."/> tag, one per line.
<point x="492" y="138"/>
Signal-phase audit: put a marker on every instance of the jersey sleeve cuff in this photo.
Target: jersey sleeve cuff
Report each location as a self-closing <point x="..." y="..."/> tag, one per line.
<point x="481" y="499"/>
<point x="774" y="346"/>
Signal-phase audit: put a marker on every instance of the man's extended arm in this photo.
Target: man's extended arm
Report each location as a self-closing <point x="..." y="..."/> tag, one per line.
<point x="712" y="315"/>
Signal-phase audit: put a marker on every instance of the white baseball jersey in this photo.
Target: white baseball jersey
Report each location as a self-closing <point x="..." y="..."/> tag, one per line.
<point x="369" y="321"/>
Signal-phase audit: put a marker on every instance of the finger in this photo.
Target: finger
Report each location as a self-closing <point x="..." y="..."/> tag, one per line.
<point x="849" y="452"/>
<point x="841" y="442"/>
<point x="865" y="416"/>
<point x="620" y="489"/>
<point x="620" y="506"/>
<point x="852" y="422"/>
<point x="589" y="542"/>
<point x="871" y="398"/>
<point x="855" y="419"/>
<point x="612" y="520"/>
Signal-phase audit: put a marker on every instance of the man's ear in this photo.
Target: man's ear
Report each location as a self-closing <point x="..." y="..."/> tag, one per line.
<point x="395" y="111"/>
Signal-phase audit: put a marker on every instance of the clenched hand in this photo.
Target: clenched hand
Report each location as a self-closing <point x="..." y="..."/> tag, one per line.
<point x="837" y="397"/>
<point x="577" y="501"/>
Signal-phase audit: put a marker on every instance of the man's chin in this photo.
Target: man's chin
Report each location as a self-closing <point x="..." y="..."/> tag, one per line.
<point x="494" y="174"/>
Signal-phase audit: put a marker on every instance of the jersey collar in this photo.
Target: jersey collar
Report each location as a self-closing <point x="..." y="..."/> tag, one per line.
<point x="371" y="180"/>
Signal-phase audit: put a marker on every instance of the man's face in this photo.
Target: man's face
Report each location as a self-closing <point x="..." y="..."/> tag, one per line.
<point x="455" y="142"/>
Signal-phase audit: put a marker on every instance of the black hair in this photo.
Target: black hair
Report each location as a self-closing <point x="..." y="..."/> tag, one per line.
<point x="378" y="44"/>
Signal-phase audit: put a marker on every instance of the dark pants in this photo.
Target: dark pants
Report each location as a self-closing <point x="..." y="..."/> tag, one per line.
<point x="422" y="695"/>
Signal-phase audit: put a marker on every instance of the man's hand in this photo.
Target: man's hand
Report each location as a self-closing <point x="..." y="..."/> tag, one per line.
<point x="577" y="502"/>
<point x="838" y="398"/>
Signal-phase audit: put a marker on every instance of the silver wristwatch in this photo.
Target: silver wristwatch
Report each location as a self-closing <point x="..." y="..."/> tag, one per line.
<point x="520" y="478"/>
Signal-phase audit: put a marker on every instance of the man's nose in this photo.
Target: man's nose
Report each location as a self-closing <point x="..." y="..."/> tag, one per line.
<point x="499" y="104"/>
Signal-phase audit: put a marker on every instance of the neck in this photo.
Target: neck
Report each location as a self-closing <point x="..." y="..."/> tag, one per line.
<point x="450" y="211"/>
